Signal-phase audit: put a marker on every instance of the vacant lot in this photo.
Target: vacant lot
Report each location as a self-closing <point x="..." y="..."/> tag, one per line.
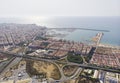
<point x="43" y="69"/>
<point x="69" y="70"/>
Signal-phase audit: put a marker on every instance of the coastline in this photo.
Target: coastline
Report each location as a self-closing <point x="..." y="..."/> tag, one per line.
<point x="109" y="45"/>
<point x="101" y="44"/>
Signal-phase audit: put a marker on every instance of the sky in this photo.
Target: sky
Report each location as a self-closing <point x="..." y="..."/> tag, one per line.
<point x="29" y="8"/>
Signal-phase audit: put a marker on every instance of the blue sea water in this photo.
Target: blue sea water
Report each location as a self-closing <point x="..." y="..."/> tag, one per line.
<point x="104" y="23"/>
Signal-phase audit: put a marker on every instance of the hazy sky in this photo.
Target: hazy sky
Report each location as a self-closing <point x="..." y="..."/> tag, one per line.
<point x="26" y="8"/>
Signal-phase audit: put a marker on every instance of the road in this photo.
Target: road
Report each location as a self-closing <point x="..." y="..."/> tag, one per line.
<point x="12" y="63"/>
<point x="69" y="63"/>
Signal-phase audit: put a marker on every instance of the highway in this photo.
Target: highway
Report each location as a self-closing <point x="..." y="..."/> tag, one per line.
<point x="69" y="63"/>
<point x="11" y="63"/>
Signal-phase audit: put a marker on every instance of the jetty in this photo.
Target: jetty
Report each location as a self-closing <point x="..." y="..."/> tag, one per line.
<point x="79" y="29"/>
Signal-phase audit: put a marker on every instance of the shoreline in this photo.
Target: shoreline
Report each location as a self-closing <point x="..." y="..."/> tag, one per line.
<point x="101" y="44"/>
<point x="109" y="45"/>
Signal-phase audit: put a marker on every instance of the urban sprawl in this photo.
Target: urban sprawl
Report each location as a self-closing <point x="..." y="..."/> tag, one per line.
<point x="28" y="54"/>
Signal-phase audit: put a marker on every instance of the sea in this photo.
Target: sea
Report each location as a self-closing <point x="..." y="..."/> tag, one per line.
<point x="112" y="24"/>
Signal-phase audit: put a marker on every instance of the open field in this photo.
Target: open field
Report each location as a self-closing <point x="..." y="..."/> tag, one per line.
<point x="43" y="69"/>
<point x="24" y="81"/>
<point x="69" y="70"/>
<point x="9" y="81"/>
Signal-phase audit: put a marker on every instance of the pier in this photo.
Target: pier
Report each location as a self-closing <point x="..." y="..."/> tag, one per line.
<point x="97" y="39"/>
<point x="99" y="36"/>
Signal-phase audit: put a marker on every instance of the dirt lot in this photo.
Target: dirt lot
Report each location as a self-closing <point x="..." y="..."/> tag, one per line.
<point x="49" y="70"/>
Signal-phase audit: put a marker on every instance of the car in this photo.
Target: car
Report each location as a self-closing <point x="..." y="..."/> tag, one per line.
<point x="19" y="74"/>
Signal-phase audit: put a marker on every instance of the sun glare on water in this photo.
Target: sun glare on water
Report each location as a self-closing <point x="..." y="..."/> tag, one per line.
<point x="38" y="18"/>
